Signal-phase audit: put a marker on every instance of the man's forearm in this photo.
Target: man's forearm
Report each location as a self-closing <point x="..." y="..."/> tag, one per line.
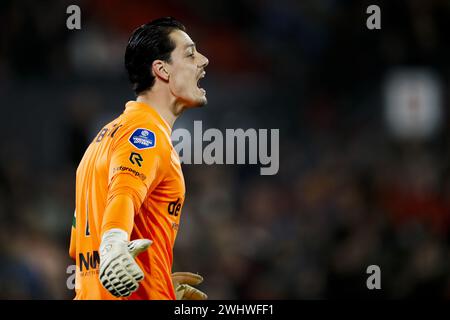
<point x="119" y="214"/>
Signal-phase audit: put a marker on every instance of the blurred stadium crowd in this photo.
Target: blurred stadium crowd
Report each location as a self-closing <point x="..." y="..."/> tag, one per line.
<point x="349" y="193"/>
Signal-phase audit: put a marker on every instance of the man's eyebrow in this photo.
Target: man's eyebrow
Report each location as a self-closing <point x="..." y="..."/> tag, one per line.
<point x="190" y="45"/>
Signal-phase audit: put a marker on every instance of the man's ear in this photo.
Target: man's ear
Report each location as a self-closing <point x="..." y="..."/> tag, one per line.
<point x="159" y="70"/>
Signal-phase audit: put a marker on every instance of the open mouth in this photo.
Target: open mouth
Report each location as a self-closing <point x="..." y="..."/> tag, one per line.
<point x="198" y="82"/>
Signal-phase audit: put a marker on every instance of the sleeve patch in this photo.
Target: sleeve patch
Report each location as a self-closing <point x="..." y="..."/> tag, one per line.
<point x="142" y="139"/>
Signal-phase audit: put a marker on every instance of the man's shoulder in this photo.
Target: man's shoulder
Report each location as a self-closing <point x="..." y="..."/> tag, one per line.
<point x="143" y="132"/>
<point x="145" y="125"/>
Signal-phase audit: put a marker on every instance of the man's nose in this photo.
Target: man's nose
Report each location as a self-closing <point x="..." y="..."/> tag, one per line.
<point x="205" y="61"/>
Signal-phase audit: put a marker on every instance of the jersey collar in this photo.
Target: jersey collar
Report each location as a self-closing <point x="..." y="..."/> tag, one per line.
<point x="142" y="106"/>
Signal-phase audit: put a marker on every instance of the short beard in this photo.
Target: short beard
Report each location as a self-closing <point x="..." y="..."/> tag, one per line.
<point x="202" y="103"/>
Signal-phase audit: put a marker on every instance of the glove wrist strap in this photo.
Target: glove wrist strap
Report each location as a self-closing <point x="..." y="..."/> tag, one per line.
<point x="115" y="234"/>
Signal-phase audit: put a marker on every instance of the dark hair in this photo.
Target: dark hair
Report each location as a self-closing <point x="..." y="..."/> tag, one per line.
<point x="148" y="43"/>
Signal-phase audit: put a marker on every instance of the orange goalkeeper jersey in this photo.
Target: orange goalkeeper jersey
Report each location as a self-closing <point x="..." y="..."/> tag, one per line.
<point x="132" y="155"/>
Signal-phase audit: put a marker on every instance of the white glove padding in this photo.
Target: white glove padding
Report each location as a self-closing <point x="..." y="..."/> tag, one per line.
<point x="119" y="272"/>
<point x="182" y="282"/>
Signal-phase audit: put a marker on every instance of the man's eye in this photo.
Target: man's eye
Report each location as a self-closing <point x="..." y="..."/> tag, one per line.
<point x="191" y="55"/>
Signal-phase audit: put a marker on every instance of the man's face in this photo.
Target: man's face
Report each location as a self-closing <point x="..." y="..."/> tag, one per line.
<point x="187" y="67"/>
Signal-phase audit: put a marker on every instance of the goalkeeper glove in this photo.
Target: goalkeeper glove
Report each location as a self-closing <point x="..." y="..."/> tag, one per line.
<point x="182" y="282"/>
<point x="119" y="272"/>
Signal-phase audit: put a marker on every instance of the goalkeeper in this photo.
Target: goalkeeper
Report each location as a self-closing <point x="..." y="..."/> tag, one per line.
<point x="130" y="188"/>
